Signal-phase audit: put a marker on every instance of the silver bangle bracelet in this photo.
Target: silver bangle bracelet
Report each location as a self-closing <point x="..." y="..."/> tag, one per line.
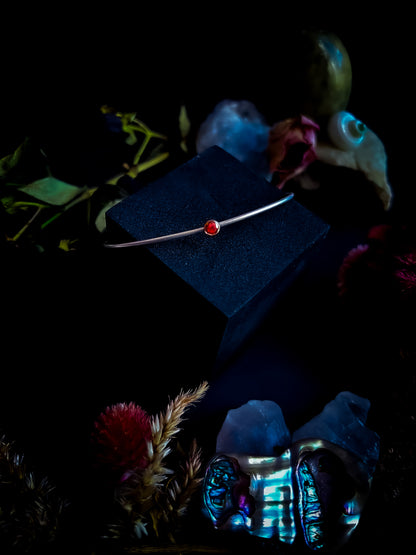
<point x="210" y="228"/>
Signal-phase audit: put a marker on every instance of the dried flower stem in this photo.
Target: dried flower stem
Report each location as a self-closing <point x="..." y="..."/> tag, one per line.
<point x="165" y="426"/>
<point x="28" y="223"/>
<point x="30" y="508"/>
<point x="181" y="493"/>
<point x="172" y="502"/>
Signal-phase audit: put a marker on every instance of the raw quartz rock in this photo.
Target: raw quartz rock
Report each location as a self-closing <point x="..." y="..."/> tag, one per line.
<point x="257" y="428"/>
<point x="238" y="128"/>
<point x="342" y="421"/>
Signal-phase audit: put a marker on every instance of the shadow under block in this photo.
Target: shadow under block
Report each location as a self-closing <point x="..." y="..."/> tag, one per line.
<point x="211" y="293"/>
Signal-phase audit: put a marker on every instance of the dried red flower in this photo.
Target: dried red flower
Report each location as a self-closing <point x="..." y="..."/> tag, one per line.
<point x="366" y="273"/>
<point x="120" y="437"/>
<point x="389" y="258"/>
<point x="377" y="280"/>
<point x="405" y="272"/>
<point x="291" y="147"/>
<point x="352" y="261"/>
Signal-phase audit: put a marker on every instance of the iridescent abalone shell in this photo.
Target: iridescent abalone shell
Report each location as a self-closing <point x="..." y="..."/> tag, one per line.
<point x="331" y="492"/>
<point x="263" y="505"/>
<point x="314" y="483"/>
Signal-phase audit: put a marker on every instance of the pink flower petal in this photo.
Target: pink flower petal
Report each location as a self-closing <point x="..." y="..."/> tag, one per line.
<point x="291" y="147"/>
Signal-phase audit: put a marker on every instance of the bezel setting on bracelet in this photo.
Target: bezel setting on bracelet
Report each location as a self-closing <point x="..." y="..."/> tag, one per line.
<point x="212" y="227"/>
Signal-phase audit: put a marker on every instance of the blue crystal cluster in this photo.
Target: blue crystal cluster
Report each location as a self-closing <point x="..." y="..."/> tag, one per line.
<point x="343" y="422"/>
<point x="259" y="428"/>
<point x="237" y="127"/>
<point x="256" y="428"/>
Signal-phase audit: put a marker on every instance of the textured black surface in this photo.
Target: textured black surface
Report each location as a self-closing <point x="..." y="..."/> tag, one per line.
<point x="240" y="272"/>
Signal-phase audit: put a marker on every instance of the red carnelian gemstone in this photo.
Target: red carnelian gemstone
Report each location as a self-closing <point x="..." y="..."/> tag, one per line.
<point x="211" y="227"/>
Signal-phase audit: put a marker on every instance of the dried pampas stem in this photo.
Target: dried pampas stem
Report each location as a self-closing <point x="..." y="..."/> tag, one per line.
<point x="31" y="511"/>
<point x="179" y="490"/>
<point x="166" y="425"/>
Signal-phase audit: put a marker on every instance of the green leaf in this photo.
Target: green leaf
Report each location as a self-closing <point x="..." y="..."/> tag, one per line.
<point x="67" y="244"/>
<point x="184" y="127"/>
<point x="184" y="122"/>
<point x="53" y="191"/>
<point x="10" y="161"/>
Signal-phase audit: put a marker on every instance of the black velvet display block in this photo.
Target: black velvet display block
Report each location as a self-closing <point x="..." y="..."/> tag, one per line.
<point x="223" y="286"/>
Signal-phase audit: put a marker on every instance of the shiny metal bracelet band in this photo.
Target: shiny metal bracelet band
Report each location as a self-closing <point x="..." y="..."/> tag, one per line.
<point x="210" y="228"/>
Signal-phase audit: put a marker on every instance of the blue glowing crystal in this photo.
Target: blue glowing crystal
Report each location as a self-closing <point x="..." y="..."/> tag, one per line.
<point x="257" y="428"/>
<point x="237" y="127"/>
<point x="342" y="422"/>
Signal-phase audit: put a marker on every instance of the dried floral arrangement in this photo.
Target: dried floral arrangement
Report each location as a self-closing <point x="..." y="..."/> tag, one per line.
<point x="146" y="478"/>
<point x="152" y="476"/>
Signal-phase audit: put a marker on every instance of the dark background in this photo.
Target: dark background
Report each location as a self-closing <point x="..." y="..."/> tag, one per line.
<point x="60" y="64"/>
<point x="71" y="326"/>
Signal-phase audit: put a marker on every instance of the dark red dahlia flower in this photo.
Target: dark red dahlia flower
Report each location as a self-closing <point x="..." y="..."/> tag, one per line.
<point x="120" y="438"/>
